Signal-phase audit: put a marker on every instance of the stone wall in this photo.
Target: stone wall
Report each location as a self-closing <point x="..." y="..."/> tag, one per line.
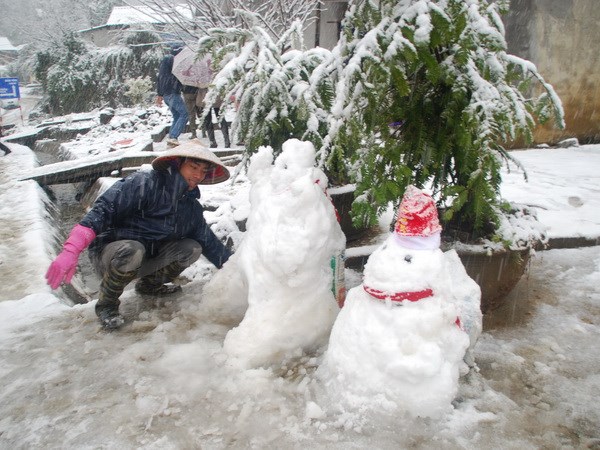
<point x="562" y="38"/>
<point x="324" y="31"/>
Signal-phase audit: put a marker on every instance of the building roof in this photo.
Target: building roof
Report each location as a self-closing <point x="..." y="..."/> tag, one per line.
<point x="6" y="46"/>
<point x="127" y="15"/>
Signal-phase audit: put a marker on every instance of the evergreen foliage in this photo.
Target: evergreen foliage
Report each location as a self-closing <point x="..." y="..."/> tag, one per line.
<point x="426" y="95"/>
<point x="137" y="89"/>
<point x="270" y="82"/>
<point x="416" y="92"/>
<point x="78" y="76"/>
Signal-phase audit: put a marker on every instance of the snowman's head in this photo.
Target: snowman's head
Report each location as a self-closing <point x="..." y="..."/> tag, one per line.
<point x="296" y="154"/>
<point x="296" y="161"/>
<point x="394" y="268"/>
<point x="410" y="260"/>
<point x="261" y="164"/>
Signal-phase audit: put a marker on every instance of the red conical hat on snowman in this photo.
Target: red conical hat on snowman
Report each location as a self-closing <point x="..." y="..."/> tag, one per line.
<point x="417" y="225"/>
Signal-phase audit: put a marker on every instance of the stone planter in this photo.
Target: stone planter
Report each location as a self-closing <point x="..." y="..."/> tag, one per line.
<point x="342" y="198"/>
<point x="495" y="272"/>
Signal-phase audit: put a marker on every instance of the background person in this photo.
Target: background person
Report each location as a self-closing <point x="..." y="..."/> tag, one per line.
<point x="190" y="96"/>
<point x="168" y="88"/>
<point x="208" y="122"/>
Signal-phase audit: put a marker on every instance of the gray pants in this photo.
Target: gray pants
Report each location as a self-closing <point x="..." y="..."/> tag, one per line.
<point x="128" y="256"/>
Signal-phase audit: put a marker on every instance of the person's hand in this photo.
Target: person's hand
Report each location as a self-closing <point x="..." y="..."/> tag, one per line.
<point x="159" y="100"/>
<point x="62" y="268"/>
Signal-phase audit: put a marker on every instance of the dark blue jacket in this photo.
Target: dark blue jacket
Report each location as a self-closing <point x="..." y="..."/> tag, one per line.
<point x="167" y="83"/>
<point x="150" y="207"/>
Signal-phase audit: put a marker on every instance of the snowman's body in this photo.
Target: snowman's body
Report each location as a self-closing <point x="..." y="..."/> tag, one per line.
<point x="393" y="354"/>
<point x="282" y="269"/>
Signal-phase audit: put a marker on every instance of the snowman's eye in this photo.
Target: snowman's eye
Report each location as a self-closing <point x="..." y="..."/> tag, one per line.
<point x="408" y="258"/>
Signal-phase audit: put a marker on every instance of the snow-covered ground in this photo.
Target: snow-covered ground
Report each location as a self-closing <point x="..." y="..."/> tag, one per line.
<point x="563" y="187"/>
<point x="165" y="382"/>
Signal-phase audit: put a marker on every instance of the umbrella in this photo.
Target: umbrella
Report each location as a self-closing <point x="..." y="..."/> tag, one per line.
<point x="192" y="71"/>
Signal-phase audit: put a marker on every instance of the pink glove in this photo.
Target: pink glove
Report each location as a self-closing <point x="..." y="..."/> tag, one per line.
<point x="65" y="264"/>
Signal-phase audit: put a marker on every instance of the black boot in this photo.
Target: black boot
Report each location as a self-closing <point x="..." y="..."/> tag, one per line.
<point x="154" y="284"/>
<point x="112" y="286"/>
<point x="210" y="130"/>
<point x="225" y="131"/>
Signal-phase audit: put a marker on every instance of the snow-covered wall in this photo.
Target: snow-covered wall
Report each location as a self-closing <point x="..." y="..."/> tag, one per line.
<point x="561" y="37"/>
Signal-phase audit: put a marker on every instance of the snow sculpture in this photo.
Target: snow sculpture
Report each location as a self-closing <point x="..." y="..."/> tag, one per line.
<point x="399" y="341"/>
<point x="281" y="271"/>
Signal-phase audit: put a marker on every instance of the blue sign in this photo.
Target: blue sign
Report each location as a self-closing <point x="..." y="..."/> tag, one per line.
<point x="9" y="88"/>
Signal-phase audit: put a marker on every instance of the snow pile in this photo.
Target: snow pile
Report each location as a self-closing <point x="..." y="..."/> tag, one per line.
<point x="164" y="382"/>
<point x="521" y="228"/>
<point x="25" y="209"/>
<point x="281" y="270"/>
<point x="132" y="126"/>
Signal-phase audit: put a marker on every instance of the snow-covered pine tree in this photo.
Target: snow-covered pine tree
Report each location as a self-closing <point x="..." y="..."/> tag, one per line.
<point x="269" y="81"/>
<point x="427" y="94"/>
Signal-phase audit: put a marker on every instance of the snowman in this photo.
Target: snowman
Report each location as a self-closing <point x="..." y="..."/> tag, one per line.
<point x="399" y="342"/>
<point x="280" y="278"/>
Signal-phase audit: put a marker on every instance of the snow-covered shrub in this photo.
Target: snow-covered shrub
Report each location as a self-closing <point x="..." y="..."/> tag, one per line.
<point x="137" y="89"/>
<point x="427" y="94"/>
<point x="269" y="81"/>
<point x="77" y="76"/>
<point x="416" y="92"/>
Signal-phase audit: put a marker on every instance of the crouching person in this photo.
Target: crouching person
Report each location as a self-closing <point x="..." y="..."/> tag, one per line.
<point x="150" y="226"/>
